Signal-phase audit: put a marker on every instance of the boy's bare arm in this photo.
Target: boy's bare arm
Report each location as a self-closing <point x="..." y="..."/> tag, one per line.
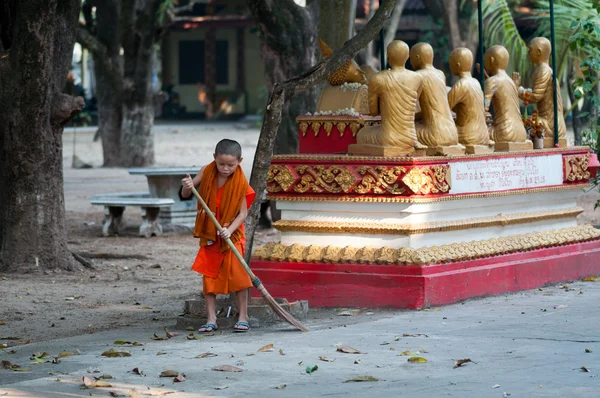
<point x="225" y="233"/>
<point x="188" y="182"/>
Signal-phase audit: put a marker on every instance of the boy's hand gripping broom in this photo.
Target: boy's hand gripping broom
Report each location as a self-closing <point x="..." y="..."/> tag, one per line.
<point x="283" y="314"/>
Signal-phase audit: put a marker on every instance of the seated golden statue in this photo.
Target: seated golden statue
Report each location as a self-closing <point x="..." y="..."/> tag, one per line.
<point x="507" y="129"/>
<point x="337" y="95"/>
<point x="466" y="99"/>
<point x="393" y="94"/>
<point x="435" y="127"/>
<point x="542" y="92"/>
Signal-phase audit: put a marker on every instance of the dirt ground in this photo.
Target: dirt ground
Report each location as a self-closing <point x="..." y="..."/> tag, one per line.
<point x="125" y="292"/>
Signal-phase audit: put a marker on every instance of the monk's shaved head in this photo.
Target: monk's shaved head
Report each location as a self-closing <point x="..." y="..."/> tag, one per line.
<point x="229" y="147"/>
<point x="397" y="52"/>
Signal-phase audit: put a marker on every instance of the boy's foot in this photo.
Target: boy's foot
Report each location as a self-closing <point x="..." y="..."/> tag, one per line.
<point x="241" y="327"/>
<point x="207" y="328"/>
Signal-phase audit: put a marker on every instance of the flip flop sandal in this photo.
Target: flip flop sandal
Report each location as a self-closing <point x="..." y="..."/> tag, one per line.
<point x="237" y="328"/>
<point x="210" y="326"/>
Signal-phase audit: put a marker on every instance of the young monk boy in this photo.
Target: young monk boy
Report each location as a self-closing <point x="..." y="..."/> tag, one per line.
<point x="225" y="190"/>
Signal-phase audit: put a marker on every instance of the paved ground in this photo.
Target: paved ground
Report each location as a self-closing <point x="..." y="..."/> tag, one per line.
<point x="530" y="344"/>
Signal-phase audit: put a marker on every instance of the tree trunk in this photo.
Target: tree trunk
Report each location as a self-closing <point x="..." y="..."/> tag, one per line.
<point x="110" y="113"/>
<point x="393" y="22"/>
<point x="34" y="111"/>
<point x="336" y="21"/>
<point x="137" y="140"/>
<point x="262" y="11"/>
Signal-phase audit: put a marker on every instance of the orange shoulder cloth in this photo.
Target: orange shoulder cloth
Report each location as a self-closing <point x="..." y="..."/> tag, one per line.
<point x="234" y="192"/>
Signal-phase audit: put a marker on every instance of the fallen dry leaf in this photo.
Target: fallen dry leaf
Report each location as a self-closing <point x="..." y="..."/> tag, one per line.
<point x="89" y="383"/>
<point x="496" y="386"/>
<point x="13" y="367"/>
<point x="155" y="337"/>
<point x="591" y="279"/>
<point x="121" y="342"/>
<point x="221" y="387"/>
<point x="281" y="351"/>
<point x="139" y="372"/>
<point x="281" y="387"/>
<point x="414" y="335"/>
<point x="227" y="368"/>
<point x="560" y="306"/>
<point x="408" y="352"/>
<point x="169" y="373"/>
<point x="207" y="355"/>
<point x="357" y="362"/>
<point x="348" y="350"/>
<point x="114" y="353"/>
<point x="40" y="355"/>
<point x="191" y="336"/>
<point x="417" y="360"/>
<point x="361" y="379"/>
<point x="65" y="355"/>
<point x="180" y="378"/>
<point x="134" y="394"/>
<point x="460" y="362"/>
<point x="584" y="369"/>
<point x="240" y="363"/>
<point x="267" y="348"/>
<point x="11" y="338"/>
<point x="588" y="350"/>
<point x="162" y="353"/>
<point x="104" y="377"/>
<point x="325" y="359"/>
<point x="191" y="328"/>
<point x="100" y="383"/>
<point x="2" y="323"/>
<point x="170" y="334"/>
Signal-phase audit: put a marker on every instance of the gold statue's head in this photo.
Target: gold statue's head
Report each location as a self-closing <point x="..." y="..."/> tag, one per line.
<point x="397" y="53"/>
<point x="350" y="72"/>
<point x="539" y="50"/>
<point x="496" y="58"/>
<point x="421" y="55"/>
<point x="461" y="60"/>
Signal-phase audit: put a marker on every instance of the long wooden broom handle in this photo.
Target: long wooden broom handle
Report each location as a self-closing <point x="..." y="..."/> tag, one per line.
<point x="229" y="242"/>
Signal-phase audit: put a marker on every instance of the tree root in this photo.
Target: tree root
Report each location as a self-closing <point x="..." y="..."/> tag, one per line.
<point x="86" y="263"/>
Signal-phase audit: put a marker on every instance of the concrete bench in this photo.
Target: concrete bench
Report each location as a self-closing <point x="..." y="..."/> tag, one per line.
<point x="114" y="206"/>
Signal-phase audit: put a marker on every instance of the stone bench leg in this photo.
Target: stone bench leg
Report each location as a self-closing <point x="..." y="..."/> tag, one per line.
<point x="112" y="220"/>
<point x="150" y="225"/>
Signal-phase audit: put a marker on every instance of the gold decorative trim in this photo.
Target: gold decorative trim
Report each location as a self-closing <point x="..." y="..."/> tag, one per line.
<point x="421" y="200"/>
<point x="412" y="229"/>
<point x="303" y="128"/>
<point x="427" y="255"/>
<point x="334" y="179"/>
<point x="341" y="122"/>
<point x="316" y="126"/>
<point x="576" y="167"/>
<point x="412" y="159"/>
<point x="427" y="180"/>
<point x="282" y="176"/>
<point x="328" y="126"/>
<point x="341" y="127"/>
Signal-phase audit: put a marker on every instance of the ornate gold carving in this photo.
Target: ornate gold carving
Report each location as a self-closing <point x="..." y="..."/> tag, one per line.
<point x="341" y="127"/>
<point x="380" y="180"/>
<point x="354" y="127"/>
<point x="315" y="127"/>
<point x="428" y="255"/>
<point x="423" y="159"/>
<point x="282" y="176"/>
<point x="427" y="180"/>
<point x="303" y="127"/>
<point x="328" y="126"/>
<point x="576" y="168"/>
<point x="412" y="229"/>
<point x="332" y="179"/>
<point x="413" y="199"/>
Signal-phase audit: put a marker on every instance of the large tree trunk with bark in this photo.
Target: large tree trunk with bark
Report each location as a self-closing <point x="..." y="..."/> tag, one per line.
<point x="34" y="112"/>
<point x="137" y="141"/>
<point x="336" y="21"/>
<point x="284" y="90"/>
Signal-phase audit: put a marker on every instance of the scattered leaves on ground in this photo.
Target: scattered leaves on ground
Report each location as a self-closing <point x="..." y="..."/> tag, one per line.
<point x="361" y="379"/>
<point x="326" y="359"/>
<point x="139" y="372"/>
<point x="310" y="369"/>
<point x="89" y="383"/>
<point x="281" y="351"/>
<point x="162" y="353"/>
<point x="408" y="353"/>
<point x="417" y="360"/>
<point x="114" y="353"/>
<point x="460" y="362"/>
<point x="170" y="334"/>
<point x="357" y="362"/>
<point x="227" y="368"/>
<point x="281" y="387"/>
<point x="124" y="342"/>
<point x="587" y="350"/>
<point x="221" y="387"/>
<point x="591" y="279"/>
<point x="496" y="386"/>
<point x="414" y="335"/>
<point x="155" y="337"/>
<point x="348" y="350"/>
<point x="584" y="369"/>
<point x="2" y="323"/>
<point x="169" y="373"/>
<point x="206" y="355"/>
<point x="267" y="348"/>
<point x="191" y="336"/>
<point x="13" y="367"/>
<point x="179" y="378"/>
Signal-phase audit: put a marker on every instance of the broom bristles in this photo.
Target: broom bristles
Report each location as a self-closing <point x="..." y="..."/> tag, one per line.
<point x="283" y="314"/>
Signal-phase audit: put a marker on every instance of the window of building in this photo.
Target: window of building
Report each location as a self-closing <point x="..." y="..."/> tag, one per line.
<point x="191" y="62"/>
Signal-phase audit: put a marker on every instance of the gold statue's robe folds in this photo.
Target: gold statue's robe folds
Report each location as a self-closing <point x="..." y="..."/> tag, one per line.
<point x="396" y="103"/>
<point x="508" y="123"/>
<point x="437" y="127"/>
<point x="542" y="94"/>
<point x="466" y="99"/>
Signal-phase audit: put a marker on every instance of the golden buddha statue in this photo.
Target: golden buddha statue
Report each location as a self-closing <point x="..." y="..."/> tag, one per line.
<point x="542" y="92"/>
<point x="501" y="92"/>
<point x="337" y="95"/>
<point x="466" y="99"/>
<point x="435" y="126"/>
<point x="393" y="94"/>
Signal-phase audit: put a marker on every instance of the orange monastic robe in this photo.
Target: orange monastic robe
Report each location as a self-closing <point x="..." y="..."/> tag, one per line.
<point x="222" y="271"/>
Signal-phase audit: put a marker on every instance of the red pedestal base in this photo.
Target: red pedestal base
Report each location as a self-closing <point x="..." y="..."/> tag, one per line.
<point x="377" y="286"/>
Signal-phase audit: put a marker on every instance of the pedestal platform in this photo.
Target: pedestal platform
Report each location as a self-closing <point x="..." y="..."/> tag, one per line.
<point x="330" y="134"/>
<point x="414" y="232"/>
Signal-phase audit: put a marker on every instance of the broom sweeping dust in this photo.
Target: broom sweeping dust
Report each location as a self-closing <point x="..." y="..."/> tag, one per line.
<point x="283" y="314"/>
